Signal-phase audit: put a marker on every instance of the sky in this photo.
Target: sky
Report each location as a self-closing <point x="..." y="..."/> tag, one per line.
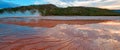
<point x="107" y="4"/>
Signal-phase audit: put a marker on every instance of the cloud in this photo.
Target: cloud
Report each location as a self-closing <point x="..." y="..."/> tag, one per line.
<point x="111" y="7"/>
<point x="89" y="3"/>
<point x="36" y="2"/>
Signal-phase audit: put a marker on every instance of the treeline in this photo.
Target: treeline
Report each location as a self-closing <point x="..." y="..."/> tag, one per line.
<point x="52" y="10"/>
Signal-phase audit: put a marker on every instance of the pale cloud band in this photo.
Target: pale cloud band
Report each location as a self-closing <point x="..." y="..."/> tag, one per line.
<point x="109" y="4"/>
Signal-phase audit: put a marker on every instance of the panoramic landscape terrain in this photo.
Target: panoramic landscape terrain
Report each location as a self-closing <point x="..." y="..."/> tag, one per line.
<point x="59" y="25"/>
<point x="52" y="10"/>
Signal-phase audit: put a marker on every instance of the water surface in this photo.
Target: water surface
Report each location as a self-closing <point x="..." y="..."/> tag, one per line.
<point x="99" y="36"/>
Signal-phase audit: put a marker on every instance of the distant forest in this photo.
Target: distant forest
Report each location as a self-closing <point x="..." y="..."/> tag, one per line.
<point x="52" y="10"/>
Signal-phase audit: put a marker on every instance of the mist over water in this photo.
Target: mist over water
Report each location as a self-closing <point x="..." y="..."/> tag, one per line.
<point x="100" y="36"/>
<point x="19" y="14"/>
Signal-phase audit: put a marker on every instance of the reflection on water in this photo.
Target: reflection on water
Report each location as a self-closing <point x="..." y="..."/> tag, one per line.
<point x="101" y="36"/>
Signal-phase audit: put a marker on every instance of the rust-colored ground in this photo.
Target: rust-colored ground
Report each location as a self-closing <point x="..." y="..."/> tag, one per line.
<point x="52" y="23"/>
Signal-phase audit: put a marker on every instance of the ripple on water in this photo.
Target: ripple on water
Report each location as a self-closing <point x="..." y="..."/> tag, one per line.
<point x="101" y="36"/>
